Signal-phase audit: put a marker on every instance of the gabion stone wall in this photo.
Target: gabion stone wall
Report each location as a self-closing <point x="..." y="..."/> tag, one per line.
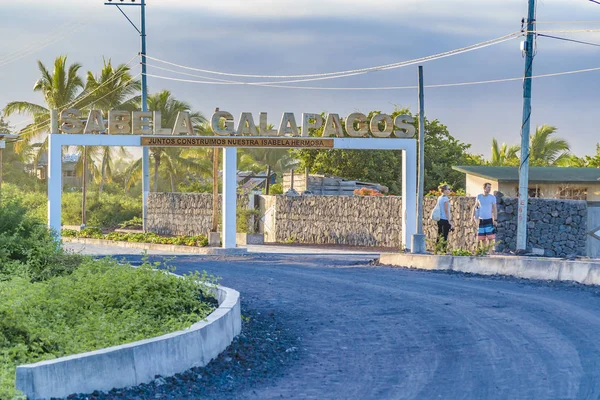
<point x="465" y="230"/>
<point x="349" y="220"/>
<point x="559" y="227"/>
<point x="182" y="213"/>
<point x="556" y="226"/>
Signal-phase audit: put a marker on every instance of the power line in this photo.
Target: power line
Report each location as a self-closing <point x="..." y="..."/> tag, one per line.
<point x="395" y="87"/>
<point x="566" y="22"/>
<point x="35" y="48"/>
<point x="566" y="31"/>
<point x="353" y="71"/>
<point x="569" y="40"/>
<point x="86" y="95"/>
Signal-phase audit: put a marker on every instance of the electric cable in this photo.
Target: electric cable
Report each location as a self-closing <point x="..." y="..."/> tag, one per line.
<point x="354" y="71"/>
<point x="380" y="68"/>
<point x="47" y="43"/>
<point x="442" y="85"/>
<point x="86" y="95"/>
<point x="569" y="40"/>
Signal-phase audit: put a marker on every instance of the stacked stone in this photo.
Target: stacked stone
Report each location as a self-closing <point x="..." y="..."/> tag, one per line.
<point x="556" y="227"/>
<point x="348" y="220"/>
<point x="465" y="230"/>
<point x="182" y="213"/>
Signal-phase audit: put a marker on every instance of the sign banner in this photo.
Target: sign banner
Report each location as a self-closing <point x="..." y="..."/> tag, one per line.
<point x="208" y="141"/>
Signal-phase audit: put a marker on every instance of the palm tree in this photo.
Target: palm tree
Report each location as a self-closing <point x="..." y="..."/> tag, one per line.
<point x="259" y="159"/>
<point x="113" y="88"/>
<point x="545" y="151"/>
<point x="169" y="108"/>
<point x="504" y="155"/>
<point x="60" y="89"/>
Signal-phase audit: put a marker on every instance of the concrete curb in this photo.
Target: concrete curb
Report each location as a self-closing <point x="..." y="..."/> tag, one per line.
<point x="139" y="362"/>
<point x="173" y="248"/>
<point x="555" y="269"/>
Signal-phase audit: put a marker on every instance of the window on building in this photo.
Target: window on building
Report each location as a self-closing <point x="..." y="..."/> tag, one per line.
<point x="533" y="191"/>
<point x="570" y="193"/>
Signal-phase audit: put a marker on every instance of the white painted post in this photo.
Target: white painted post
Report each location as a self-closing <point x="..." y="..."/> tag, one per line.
<point x="54" y="182"/>
<point x="409" y="193"/>
<point x="229" y="196"/>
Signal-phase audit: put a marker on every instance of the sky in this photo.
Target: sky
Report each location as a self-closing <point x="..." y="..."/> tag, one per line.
<point x="297" y="37"/>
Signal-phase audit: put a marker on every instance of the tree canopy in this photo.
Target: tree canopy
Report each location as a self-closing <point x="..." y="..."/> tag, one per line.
<point x="442" y="151"/>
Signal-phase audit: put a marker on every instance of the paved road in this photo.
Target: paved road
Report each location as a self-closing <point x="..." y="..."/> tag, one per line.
<point x="376" y="332"/>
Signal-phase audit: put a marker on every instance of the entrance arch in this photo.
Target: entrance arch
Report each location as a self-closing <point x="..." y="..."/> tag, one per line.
<point x="57" y="140"/>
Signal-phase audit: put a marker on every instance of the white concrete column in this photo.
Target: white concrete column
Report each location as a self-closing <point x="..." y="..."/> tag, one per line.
<point x="229" y="196"/>
<point x="54" y="182"/>
<point x="145" y="185"/>
<point x="409" y="193"/>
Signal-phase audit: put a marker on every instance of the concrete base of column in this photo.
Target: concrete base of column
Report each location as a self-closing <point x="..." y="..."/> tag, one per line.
<point x="418" y="244"/>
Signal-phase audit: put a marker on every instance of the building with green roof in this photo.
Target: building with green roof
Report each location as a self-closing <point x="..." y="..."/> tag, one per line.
<point x="547" y="182"/>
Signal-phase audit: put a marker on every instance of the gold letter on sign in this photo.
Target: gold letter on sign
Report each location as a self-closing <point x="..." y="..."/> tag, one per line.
<point x="95" y="122"/>
<point x="183" y="124"/>
<point x="264" y="126"/>
<point x="333" y="126"/>
<point x="387" y="129"/>
<point x="140" y="122"/>
<point x="69" y="121"/>
<point x="307" y="125"/>
<point x="246" y="126"/>
<point x="405" y="127"/>
<point x="288" y="125"/>
<point x="157" y="125"/>
<point x="215" y="123"/>
<point x="118" y="122"/>
<point x="362" y="127"/>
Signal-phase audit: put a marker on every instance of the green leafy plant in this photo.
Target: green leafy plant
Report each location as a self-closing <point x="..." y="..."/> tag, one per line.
<point x="290" y="240"/>
<point x="461" y="252"/>
<point x="244" y="220"/>
<point x="139" y="237"/>
<point x="484" y="249"/>
<point x="102" y="303"/>
<point x="276" y="188"/>
<point x="135" y="222"/>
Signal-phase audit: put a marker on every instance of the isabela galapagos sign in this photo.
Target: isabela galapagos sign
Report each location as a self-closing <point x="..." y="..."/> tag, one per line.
<point x="244" y="133"/>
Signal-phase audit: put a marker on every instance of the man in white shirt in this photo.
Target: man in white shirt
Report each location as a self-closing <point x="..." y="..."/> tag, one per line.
<point x="484" y="214"/>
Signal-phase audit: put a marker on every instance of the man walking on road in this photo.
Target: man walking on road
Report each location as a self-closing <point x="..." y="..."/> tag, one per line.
<point x="484" y="214"/>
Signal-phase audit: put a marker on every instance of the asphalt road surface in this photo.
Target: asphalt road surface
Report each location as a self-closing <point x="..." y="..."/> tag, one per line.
<point x="363" y="331"/>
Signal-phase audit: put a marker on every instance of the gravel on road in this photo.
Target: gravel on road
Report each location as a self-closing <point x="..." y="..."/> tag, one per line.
<point x="333" y="326"/>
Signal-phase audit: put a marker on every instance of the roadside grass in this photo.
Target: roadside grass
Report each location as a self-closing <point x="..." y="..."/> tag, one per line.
<point x="55" y="303"/>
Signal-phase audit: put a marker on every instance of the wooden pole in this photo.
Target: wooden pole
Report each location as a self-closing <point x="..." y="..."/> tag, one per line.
<point x="306" y="171"/>
<point x="268" y="181"/>
<point x="215" y="202"/>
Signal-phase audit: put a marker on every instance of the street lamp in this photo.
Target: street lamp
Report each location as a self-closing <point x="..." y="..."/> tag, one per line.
<point x="145" y="152"/>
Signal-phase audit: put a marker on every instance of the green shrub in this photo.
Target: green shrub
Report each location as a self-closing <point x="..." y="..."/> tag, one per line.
<point x="93" y="233"/>
<point x="135" y="222"/>
<point x="276" y="188"/>
<point x="27" y="248"/>
<point x="105" y="211"/>
<point x="139" y="237"/>
<point x="244" y="216"/>
<point x="101" y="304"/>
<point x="461" y="252"/>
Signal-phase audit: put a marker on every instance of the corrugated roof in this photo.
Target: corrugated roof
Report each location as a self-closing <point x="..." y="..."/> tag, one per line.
<point x="536" y="174"/>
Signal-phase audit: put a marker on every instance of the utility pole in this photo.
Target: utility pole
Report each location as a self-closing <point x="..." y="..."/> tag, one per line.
<point x="524" y="166"/>
<point x="145" y="150"/>
<point x="418" y="244"/>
